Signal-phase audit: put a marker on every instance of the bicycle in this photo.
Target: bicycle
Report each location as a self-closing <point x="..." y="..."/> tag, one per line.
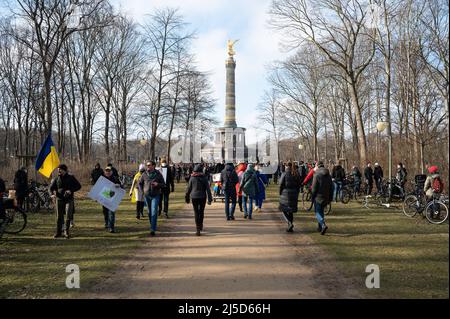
<point x="38" y="196"/>
<point x="15" y="218"/>
<point x="416" y="201"/>
<point x="436" y="211"/>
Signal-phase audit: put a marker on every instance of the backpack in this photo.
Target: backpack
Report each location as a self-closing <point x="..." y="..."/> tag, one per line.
<point x="437" y="185"/>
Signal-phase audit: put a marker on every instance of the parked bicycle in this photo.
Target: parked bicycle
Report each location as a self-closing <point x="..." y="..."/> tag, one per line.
<point x="436" y="211"/>
<point x="38" y="197"/>
<point x="15" y="218"/>
<point x="415" y="202"/>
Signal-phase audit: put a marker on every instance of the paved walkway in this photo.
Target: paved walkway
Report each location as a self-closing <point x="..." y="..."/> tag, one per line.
<point x="232" y="259"/>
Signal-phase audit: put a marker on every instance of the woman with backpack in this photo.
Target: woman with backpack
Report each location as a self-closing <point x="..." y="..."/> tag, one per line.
<point x="433" y="184"/>
<point x="250" y="190"/>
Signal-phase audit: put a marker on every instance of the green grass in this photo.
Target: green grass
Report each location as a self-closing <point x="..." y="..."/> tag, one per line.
<point x="411" y="253"/>
<point x="32" y="263"/>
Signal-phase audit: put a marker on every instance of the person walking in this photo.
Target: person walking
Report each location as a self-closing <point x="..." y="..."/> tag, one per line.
<point x="321" y="194"/>
<point x="378" y="177"/>
<point x="114" y="170"/>
<point x="228" y="180"/>
<point x="150" y="184"/>
<point x="96" y="173"/>
<point x="136" y="195"/>
<point x="199" y="192"/>
<point x="21" y="185"/>
<point x="240" y="170"/>
<point x="368" y="174"/>
<point x="62" y="189"/>
<point x="262" y="182"/>
<point x="289" y="189"/>
<point x="109" y="215"/>
<point x="338" y="176"/>
<point x="165" y="191"/>
<point x="250" y="190"/>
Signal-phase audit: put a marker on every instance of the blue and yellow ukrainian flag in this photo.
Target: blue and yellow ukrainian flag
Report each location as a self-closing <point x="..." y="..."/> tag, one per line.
<point x="47" y="159"/>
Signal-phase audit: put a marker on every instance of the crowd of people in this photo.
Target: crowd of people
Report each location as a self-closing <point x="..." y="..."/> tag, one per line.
<point x="243" y="184"/>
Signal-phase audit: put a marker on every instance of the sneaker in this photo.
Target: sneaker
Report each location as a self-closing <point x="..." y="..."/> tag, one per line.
<point x="290" y="228"/>
<point x="198" y="233"/>
<point x="138" y="217"/>
<point x="232" y="218"/>
<point x="250" y="217"/>
<point x="228" y="218"/>
<point x="152" y="233"/>
<point x="72" y="225"/>
<point x="245" y="216"/>
<point x="112" y="231"/>
<point x="66" y="235"/>
<point x="324" y="230"/>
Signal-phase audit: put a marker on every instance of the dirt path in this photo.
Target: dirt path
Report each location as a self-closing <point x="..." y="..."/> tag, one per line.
<point x="232" y="259"/>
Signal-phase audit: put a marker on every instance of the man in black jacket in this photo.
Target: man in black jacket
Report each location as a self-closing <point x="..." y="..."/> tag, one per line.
<point x="96" y="173"/>
<point x="62" y="189"/>
<point x="321" y="194"/>
<point x="169" y="187"/>
<point x="229" y="179"/>
<point x="21" y="185"/>
<point x="378" y="176"/>
<point x="368" y="174"/>
<point x="150" y="184"/>
<point x="338" y="176"/>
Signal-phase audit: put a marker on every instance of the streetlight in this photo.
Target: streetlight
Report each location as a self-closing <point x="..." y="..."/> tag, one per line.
<point x="301" y="147"/>
<point x="381" y="126"/>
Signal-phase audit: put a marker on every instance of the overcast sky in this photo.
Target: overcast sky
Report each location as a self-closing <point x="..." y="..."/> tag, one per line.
<point x="215" y="21"/>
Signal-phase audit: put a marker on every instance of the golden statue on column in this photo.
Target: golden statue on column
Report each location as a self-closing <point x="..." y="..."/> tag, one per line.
<point x="230" y="44"/>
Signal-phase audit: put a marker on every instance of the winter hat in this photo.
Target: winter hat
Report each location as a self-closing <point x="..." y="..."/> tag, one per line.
<point x="433" y="169"/>
<point x="141" y="167"/>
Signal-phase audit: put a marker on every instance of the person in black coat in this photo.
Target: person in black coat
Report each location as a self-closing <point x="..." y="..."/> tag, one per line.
<point x="96" y="173"/>
<point x="21" y="185"/>
<point x="62" y="189"/>
<point x="198" y="191"/>
<point x="289" y="189"/>
<point x="378" y="176"/>
<point x="338" y="176"/>
<point x="165" y="192"/>
<point x="229" y="179"/>
<point x="321" y="194"/>
<point x="368" y="174"/>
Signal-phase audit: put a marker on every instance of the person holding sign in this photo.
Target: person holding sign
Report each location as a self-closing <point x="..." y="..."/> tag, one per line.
<point x="110" y="216"/>
<point x="62" y="189"/>
<point x="150" y="183"/>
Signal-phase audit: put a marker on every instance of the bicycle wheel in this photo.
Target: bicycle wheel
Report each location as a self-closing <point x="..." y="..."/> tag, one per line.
<point x="35" y="204"/>
<point x="346" y="196"/>
<point x="410" y="205"/>
<point x="327" y="209"/>
<point x="16" y="221"/>
<point x="436" y="212"/>
<point x="306" y="200"/>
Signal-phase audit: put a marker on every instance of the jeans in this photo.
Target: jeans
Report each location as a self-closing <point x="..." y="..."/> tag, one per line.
<point x="152" y="205"/>
<point x="199" y="211"/>
<point x="230" y="196"/>
<point x="356" y="188"/>
<point x="337" y="191"/>
<point x="164" y="200"/>
<point x="63" y="209"/>
<point x="259" y="202"/>
<point x="319" y="209"/>
<point x="248" y="200"/>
